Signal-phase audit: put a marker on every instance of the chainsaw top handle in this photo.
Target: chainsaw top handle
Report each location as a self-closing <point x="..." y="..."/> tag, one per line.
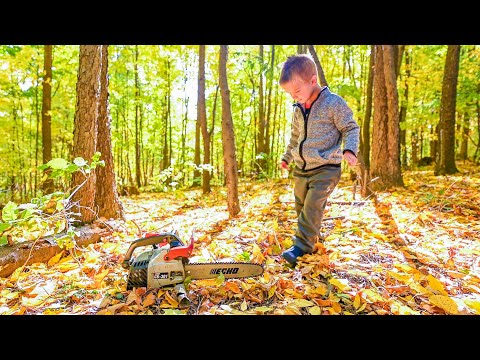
<point x="154" y="239"/>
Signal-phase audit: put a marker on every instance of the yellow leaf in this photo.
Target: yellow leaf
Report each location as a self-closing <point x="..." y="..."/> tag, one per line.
<point x="371" y="296"/>
<point x="303" y="302"/>
<point x="473" y="304"/>
<point x="263" y="309"/>
<point x="275" y="224"/>
<point x="314" y="310"/>
<point x="379" y="236"/>
<point x="6" y="294"/>
<point x="220" y="279"/>
<point x="342" y="284"/>
<point x="66" y="266"/>
<point x="357" y="301"/>
<point x="361" y="308"/>
<point x="271" y="291"/>
<point x="257" y="254"/>
<point x="243" y="306"/>
<point x="91" y="258"/>
<point x="29" y="302"/>
<point x="436" y="285"/>
<point x="321" y="289"/>
<point x="292" y="310"/>
<point x="398" y="308"/>
<point x="402" y="278"/>
<point x="444" y="302"/>
<point x="406" y="268"/>
<point x="16" y="274"/>
<point x="419" y="288"/>
<point x="170" y="299"/>
<point x="55" y="259"/>
<point x="100" y="276"/>
<point x="336" y="306"/>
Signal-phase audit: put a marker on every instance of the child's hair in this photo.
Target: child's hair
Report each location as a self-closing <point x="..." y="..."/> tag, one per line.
<point x="301" y="65"/>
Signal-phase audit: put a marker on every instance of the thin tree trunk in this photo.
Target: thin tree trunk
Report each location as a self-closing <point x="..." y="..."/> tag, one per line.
<point x="228" y="137"/>
<point x="202" y="119"/>
<point x="212" y="130"/>
<point x="446" y="140"/>
<point x="37" y="117"/>
<point x="321" y="74"/>
<point x="47" y="115"/>
<point x="403" y="112"/>
<point x="269" y="110"/>
<point x="465" y="132"/>
<point x="368" y="111"/>
<point x="261" y="119"/>
<point x="138" y="170"/>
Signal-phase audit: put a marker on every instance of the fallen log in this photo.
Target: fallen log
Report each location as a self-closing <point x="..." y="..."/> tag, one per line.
<point x="28" y="252"/>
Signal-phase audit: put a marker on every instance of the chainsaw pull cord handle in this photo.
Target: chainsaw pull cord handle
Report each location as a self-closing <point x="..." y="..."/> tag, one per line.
<point x="145" y="241"/>
<point x="180" y="251"/>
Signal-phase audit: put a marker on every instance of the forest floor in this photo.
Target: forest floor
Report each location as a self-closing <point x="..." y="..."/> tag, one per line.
<point x="411" y="250"/>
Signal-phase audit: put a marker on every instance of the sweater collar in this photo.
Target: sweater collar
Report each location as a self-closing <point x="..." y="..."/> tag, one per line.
<point x="322" y="90"/>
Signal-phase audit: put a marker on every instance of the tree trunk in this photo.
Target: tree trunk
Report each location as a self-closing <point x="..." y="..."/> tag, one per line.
<point x="202" y="118"/>
<point x="228" y="137"/>
<point x="196" y="156"/>
<point x="393" y="115"/>
<point x="85" y="126"/>
<point x="138" y="171"/>
<point x="385" y="143"/>
<point x="321" y="74"/>
<point x="465" y="133"/>
<point x="47" y="115"/>
<point x="446" y="140"/>
<point x="403" y="113"/>
<point x="261" y="120"/>
<point x="106" y="197"/>
<point x="368" y="111"/>
<point x="268" y="120"/>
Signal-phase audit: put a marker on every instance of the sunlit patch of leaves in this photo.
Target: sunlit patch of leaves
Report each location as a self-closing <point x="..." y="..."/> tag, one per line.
<point x="414" y="250"/>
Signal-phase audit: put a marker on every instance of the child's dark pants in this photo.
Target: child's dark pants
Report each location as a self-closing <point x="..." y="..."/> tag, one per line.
<point x="312" y="189"/>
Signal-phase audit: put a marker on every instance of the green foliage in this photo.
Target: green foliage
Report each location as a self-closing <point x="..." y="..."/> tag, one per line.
<point x="152" y="102"/>
<point x="50" y="214"/>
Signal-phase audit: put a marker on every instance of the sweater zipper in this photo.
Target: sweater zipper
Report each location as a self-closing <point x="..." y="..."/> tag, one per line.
<point x="305" y="121"/>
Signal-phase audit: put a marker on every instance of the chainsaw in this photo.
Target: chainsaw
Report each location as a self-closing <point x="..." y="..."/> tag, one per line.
<point x="168" y="263"/>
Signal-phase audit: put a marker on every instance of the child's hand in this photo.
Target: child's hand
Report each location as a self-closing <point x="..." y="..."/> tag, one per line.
<point x="350" y="158"/>
<point x="284" y="165"/>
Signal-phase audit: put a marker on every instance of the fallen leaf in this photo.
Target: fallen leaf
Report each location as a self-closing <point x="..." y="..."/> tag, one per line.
<point x="111" y="309"/>
<point x="473" y="304"/>
<point x="149" y="300"/>
<point x="55" y="259"/>
<point x="303" y="303"/>
<point x="436" y="285"/>
<point x="445" y="303"/>
<point x="263" y="309"/>
<point x="342" y="284"/>
<point x="314" y="310"/>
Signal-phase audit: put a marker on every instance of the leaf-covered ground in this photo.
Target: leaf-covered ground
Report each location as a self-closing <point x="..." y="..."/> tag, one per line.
<point x="412" y="250"/>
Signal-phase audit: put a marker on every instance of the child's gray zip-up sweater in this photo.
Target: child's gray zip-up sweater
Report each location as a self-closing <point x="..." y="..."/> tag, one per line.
<point x="317" y="134"/>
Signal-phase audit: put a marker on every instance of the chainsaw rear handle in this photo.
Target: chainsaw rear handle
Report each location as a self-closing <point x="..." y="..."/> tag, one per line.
<point x="149" y="240"/>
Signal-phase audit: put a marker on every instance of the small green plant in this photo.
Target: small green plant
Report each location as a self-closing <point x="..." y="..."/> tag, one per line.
<point x="50" y="214"/>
